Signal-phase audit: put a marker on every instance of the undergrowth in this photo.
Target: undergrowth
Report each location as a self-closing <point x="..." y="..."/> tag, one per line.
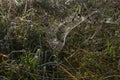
<point x="91" y="50"/>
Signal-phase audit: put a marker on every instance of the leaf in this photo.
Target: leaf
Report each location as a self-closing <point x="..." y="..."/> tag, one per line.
<point x="78" y="9"/>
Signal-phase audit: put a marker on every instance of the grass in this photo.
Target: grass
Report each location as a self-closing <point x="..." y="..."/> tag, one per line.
<point x="91" y="51"/>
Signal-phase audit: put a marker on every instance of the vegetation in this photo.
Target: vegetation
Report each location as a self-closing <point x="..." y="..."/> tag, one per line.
<point x="60" y="40"/>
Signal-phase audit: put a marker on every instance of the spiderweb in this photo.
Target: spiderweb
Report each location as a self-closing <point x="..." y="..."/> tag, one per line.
<point x="58" y="32"/>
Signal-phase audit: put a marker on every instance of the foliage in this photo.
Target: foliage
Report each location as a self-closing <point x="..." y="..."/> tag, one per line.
<point x="91" y="50"/>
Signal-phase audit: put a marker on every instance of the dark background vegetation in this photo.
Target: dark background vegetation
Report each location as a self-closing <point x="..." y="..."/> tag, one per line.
<point x="91" y="51"/>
